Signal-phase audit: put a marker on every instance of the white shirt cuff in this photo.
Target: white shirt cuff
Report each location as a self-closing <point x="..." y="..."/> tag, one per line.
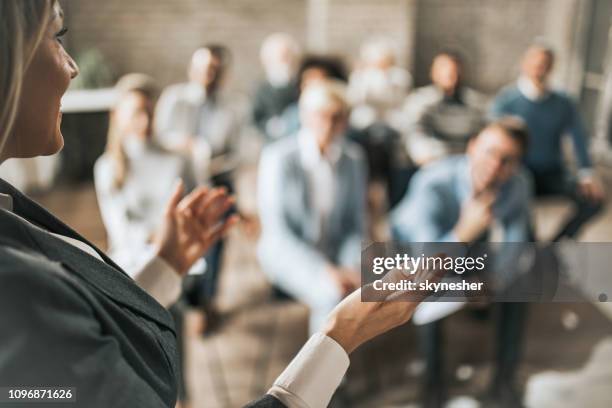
<point x="585" y="173"/>
<point x="312" y="377"/>
<point x="160" y="280"/>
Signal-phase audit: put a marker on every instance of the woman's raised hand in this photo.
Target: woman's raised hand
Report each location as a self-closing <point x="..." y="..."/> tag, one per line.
<point x="192" y="225"/>
<point x="355" y="321"/>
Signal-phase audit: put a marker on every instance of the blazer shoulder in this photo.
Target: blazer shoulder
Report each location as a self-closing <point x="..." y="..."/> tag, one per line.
<point x="26" y="275"/>
<point x="267" y="401"/>
<point x="282" y="150"/>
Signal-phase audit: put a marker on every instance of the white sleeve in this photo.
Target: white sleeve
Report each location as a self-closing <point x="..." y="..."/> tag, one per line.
<point x="312" y="377"/>
<point x="111" y="203"/>
<point x="159" y="280"/>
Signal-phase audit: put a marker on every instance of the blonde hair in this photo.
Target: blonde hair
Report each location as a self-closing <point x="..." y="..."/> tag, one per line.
<point x="323" y="94"/>
<point x="22" y="26"/>
<point x="139" y="83"/>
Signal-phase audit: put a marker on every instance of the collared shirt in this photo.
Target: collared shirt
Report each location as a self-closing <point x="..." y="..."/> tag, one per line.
<point x="321" y="172"/>
<point x="311" y="378"/>
<point x="550" y="116"/>
<point x="432" y="207"/>
<point x="156" y="276"/>
<point x="530" y="91"/>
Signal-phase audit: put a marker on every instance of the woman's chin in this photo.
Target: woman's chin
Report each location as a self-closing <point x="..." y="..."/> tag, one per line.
<point x="56" y="144"/>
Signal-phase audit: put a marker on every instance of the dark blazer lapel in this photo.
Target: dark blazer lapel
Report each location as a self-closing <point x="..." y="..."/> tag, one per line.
<point x="106" y="276"/>
<point x="300" y="178"/>
<point x="343" y="182"/>
<point x="36" y="214"/>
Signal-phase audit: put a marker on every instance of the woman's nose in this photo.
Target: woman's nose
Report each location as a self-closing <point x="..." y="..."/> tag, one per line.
<point x="74" y="68"/>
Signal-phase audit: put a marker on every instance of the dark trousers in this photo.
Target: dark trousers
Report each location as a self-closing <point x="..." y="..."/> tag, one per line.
<point x="201" y="290"/>
<point x="557" y="183"/>
<point x="510" y="321"/>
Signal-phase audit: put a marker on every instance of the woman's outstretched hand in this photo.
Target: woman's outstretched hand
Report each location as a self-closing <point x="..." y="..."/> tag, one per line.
<point x="192" y="225"/>
<point x="354" y="321"/>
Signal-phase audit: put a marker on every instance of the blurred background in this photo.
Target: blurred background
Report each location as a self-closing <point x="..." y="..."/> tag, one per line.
<point x="568" y="347"/>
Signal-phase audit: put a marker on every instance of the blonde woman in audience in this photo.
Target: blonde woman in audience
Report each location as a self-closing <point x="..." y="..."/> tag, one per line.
<point x="73" y="318"/>
<point x="134" y="178"/>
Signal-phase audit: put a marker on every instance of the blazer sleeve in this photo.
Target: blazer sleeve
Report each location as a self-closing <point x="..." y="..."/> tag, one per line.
<point x="51" y="337"/>
<point x="267" y="401"/>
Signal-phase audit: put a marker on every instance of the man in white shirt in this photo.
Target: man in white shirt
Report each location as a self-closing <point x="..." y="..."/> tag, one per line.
<point x="195" y="118"/>
<point x="378" y="85"/>
<point x="279" y="55"/>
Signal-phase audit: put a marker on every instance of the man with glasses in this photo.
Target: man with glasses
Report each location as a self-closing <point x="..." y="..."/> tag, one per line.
<point x="465" y="198"/>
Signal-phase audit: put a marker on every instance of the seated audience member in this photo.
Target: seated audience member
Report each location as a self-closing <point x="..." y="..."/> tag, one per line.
<point x="196" y="118"/>
<point x="313" y="68"/>
<point x="460" y="199"/>
<point x="135" y="177"/>
<point x="311" y="191"/>
<point x="549" y="115"/>
<point x="377" y="89"/>
<point x="378" y="86"/>
<point x="441" y="117"/>
<point x="279" y="56"/>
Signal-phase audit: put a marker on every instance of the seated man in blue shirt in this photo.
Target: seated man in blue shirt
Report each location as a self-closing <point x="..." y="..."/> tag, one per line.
<point x="549" y="115"/>
<point x="460" y="199"/>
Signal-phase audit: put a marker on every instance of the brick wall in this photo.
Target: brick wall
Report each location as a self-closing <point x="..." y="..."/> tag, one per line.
<point x="158" y="36"/>
<point x="350" y="22"/>
<point x="490" y="34"/>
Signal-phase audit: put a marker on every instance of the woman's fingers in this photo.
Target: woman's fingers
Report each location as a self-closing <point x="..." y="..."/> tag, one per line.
<point x="175" y="198"/>
<point x="192" y="200"/>
<point x="213" y="198"/>
<point x="219" y="209"/>
<point x="219" y="230"/>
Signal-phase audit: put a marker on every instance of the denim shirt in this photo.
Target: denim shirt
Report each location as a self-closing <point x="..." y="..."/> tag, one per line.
<point x="432" y="205"/>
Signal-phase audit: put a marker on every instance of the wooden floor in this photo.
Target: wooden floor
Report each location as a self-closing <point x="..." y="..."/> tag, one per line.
<point x="260" y="336"/>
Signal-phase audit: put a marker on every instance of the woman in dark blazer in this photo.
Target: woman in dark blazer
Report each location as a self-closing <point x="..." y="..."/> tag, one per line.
<point x="69" y="316"/>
